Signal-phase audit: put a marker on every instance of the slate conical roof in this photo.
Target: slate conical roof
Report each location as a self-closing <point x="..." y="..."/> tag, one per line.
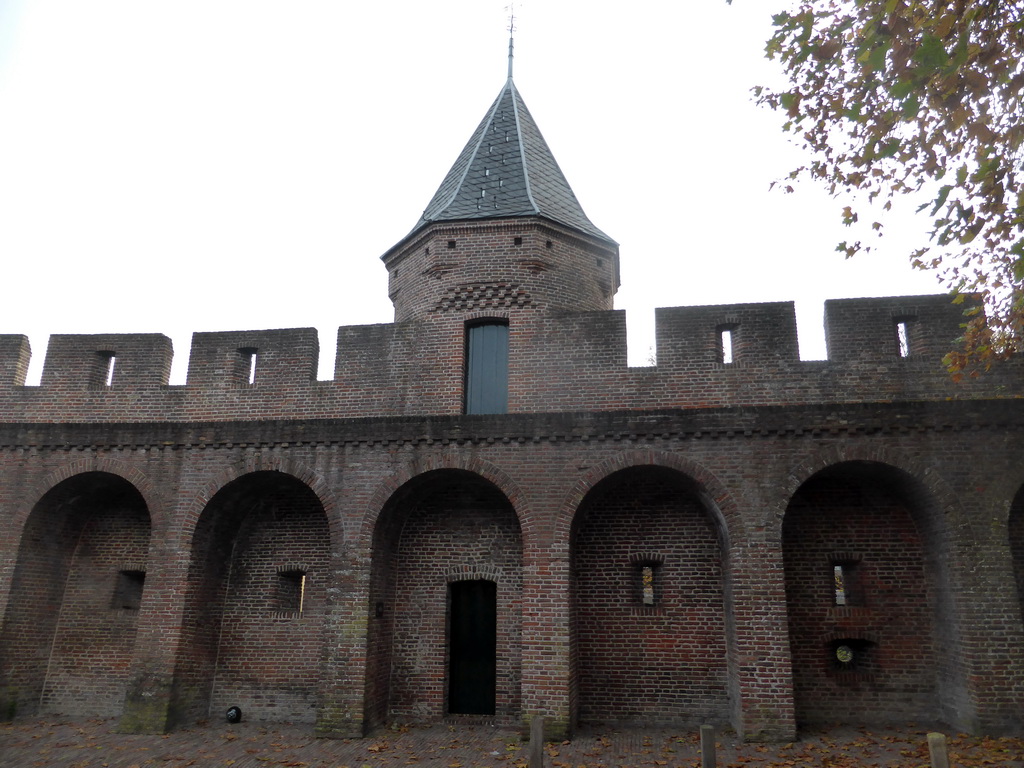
<point x="506" y="170"/>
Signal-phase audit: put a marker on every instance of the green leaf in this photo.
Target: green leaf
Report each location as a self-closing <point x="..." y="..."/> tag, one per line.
<point x="931" y="54"/>
<point x="941" y="198"/>
<point x="876" y="59"/>
<point x="891" y="148"/>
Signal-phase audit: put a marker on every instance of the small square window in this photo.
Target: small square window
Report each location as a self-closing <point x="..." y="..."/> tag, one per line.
<point x="291" y="591"/>
<point x="128" y="590"/>
<point x="846" y="583"/>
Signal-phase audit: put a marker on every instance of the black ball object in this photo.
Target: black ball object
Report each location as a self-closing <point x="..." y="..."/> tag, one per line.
<point x="234" y="715"/>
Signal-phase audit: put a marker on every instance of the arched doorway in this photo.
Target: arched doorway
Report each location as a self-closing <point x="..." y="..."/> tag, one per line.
<point x="69" y="630"/>
<point x="861" y="597"/>
<point x="253" y="628"/>
<point x="445" y="603"/>
<point x="649" y="609"/>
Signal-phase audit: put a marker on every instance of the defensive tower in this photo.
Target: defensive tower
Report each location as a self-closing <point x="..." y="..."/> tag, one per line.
<point x="504" y="231"/>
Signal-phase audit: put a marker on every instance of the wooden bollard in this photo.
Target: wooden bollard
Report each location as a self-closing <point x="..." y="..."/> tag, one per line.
<point x="708" y="759"/>
<point x="536" y="750"/>
<point x="937" y="750"/>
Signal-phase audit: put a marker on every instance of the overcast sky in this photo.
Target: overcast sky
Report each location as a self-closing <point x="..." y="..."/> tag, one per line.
<point x="206" y="165"/>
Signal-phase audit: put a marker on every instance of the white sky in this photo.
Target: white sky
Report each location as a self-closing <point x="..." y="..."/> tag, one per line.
<point x="206" y="165"/>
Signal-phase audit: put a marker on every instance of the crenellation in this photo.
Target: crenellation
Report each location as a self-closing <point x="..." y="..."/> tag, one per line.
<point x="569" y="361"/>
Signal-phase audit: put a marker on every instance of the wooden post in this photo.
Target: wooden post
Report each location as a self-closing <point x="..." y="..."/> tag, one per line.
<point x="536" y="751"/>
<point x="708" y="759"/>
<point x="937" y="750"/>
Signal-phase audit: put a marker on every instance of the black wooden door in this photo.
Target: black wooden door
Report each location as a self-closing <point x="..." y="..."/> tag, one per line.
<point x="472" y="647"/>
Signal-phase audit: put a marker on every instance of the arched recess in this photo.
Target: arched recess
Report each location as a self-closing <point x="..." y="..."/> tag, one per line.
<point x="440" y="529"/>
<point x="873" y="628"/>
<point x="253" y="628"/>
<point x="649" y="601"/>
<point x="69" y="630"/>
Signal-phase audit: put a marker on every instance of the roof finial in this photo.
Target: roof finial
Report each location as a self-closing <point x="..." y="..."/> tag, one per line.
<point x="511" y="8"/>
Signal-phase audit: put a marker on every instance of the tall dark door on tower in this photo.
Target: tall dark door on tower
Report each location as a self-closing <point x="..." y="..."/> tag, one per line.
<point x="472" y="647"/>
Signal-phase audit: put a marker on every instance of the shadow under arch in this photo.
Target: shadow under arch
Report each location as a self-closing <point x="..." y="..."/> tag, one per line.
<point x="77" y="589"/>
<point x="257" y="462"/>
<point x="444" y="533"/>
<point x="256" y="598"/>
<point x="652" y="636"/>
<point x="872" y="608"/>
<point x="388" y="490"/>
<point x="718" y="501"/>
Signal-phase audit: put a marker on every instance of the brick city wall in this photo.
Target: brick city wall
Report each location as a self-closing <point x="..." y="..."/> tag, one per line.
<point x="259" y="538"/>
<point x="357" y="508"/>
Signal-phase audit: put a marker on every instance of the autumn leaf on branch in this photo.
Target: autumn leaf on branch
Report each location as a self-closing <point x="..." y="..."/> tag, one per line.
<point x="906" y="97"/>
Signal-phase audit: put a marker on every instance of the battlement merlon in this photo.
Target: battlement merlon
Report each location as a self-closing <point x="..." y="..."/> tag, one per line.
<point x="745" y="333"/>
<point x="903" y="326"/>
<point x="15" y="353"/>
<point x="89" y="361"/>
<point x="235" y="358"/>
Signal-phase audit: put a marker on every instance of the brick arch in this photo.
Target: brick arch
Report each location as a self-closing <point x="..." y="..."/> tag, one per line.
<point x="53" y="589"/>
<point x="939" y="492"/>
<point x="92" y="463"/>
<point x="263" y="463"/>
<point x="407" y="575"/>
<point x="419" y="467"/>
<point x="909" y="541"/>
<point x="634" y="661"/>
<point x="725" y="510"/>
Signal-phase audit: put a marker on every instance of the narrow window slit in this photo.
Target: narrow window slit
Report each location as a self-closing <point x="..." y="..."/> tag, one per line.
<point x="902" y="339"/>
<point x="249" y="360"/>
<point x="647" y="584"/>
<point x="725" y="343"/>
<point x="107" y="363"/>
<point x="839" y="578"/>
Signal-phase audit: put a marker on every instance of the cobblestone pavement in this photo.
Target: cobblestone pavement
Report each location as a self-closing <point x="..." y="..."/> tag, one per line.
<point x="94" y="744"/>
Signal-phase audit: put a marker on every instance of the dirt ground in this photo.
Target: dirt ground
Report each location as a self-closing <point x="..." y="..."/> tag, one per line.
<point x="94" y="744"/>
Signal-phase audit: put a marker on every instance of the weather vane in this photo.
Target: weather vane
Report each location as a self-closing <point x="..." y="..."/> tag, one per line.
<point x="511" y="8"/>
